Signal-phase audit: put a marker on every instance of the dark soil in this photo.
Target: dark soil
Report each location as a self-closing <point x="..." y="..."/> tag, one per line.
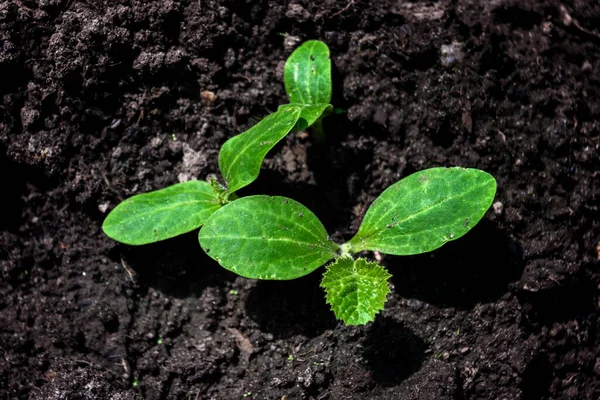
<point x="104" y="99"/>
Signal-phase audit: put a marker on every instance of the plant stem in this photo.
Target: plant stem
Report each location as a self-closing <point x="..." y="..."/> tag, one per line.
<point x="318" y="132"/>
<point x="345" y="250"/>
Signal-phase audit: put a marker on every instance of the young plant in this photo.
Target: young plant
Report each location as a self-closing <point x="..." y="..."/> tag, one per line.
<point x="263" y="237"/>
<point x="307" y="77"/>
<point x="181" y="208"/>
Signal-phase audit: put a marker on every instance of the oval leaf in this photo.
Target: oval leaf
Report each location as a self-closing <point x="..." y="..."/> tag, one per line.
<point x="264" y="237"/>
<point x="425" y="210"/>
<point x="241" y="156"/>
<point x="307" y="74"/>
<point x="356" y="289"/>
<point x="162" y="214"/>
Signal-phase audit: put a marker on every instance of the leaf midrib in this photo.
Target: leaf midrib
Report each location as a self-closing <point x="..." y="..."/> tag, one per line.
<point x="253" y="142"/>
<point x="272" y="239"/>
<point x="378" y="230"/>
<point x="137" y="216"/>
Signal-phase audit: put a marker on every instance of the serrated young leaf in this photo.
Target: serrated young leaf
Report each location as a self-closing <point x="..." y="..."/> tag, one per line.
<point x="309" y="113"/>
<point x="307" y="74"/>
<point x="161" y="214"/>
<point x="241" y="156"/>
<point x="356" y="289"/>
<point x="265" y="237"/>
<point x="424" y="211"/>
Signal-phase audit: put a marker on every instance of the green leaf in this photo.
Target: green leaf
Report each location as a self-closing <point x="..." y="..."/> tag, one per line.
<point x="241" y="156"/>
<point x="264" y="237"/>
<point x="161" y="214"/>
<point x="424" y="211"/>
<point x="356" y="289"/>
<point x="307" y="74"/>
<point x="309" y="113"/>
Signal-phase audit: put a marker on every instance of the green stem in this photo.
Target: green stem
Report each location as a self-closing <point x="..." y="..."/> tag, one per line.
<point x="318" y="132"/>
<point x="345" y="250"/>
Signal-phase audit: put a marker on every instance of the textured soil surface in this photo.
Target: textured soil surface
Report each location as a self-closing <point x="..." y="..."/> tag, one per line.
<point x="104" y="99"/>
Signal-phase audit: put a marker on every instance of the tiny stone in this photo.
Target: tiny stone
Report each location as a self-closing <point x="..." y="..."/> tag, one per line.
<point x="103" y="207"/>
<point x="207" y="98"/>
<point x="451" y="54"/>
<point x="290" y="42"/>
<point x="465" y="350"/>
<point x="498" y="208"/>
<point x="378" y="256"/>
<point x="269" y="337"/>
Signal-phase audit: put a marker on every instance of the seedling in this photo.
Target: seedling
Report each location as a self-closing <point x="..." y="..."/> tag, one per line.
<point x="263" y="237"/>
<point x="181" y="208"/>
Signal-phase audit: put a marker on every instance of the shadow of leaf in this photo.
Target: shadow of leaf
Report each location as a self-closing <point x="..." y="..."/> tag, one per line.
<point x="392" y="351"/>
<point x="477" y="268"/>
<point x="288" y="308"/>
<point x="177" y="267"/>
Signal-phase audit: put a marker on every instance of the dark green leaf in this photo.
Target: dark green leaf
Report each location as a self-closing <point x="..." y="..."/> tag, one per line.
<point x="307" y="74"/>
<point x="425" y="210"/>
<point x="241" y="156"/>
<point x="162" y="214"/>
<point x="356" y="289"/>
<point x="264" y="237"/>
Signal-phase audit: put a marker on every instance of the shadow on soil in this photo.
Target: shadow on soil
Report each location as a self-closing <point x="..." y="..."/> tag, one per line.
<point x="569" y="300"/>
<point x="288" y="308"/>
<point x="477" y="268"/>
<point x="392" y="351"/>
<point x="177" y="267"/>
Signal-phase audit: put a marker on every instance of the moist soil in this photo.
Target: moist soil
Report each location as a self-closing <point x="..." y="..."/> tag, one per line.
<point x="105" y="99"/>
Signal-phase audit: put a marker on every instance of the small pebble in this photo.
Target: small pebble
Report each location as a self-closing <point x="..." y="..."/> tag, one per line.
<point x="103" y="207"/>
<point x="207" y="98"/>
<point x="498" y="208"/>
<point x="451" y="54"/>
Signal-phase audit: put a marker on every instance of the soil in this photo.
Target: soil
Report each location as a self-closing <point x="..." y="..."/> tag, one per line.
<point x="105" y="99"/>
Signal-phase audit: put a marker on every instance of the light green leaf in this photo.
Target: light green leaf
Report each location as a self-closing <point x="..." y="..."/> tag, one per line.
<point x="241" y="156"/>
<point x="161" y="214"/>
<point x="309" y="113"/>
<point x="356" y="289"/>
<point x="307" y="74"/>
<point x="424" y="211"/>
<point x="264" y="237"/>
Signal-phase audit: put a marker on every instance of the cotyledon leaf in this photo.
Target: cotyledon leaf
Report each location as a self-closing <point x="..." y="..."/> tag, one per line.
<point x="264" y="237"/>
<point x="307" y="74"/>
<point x="356" y="289"/>
<point x="161" y="214"/>
<point x="424" y="211"/>
<point x="309" y="113"/>
<point x="241" y="156"/>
